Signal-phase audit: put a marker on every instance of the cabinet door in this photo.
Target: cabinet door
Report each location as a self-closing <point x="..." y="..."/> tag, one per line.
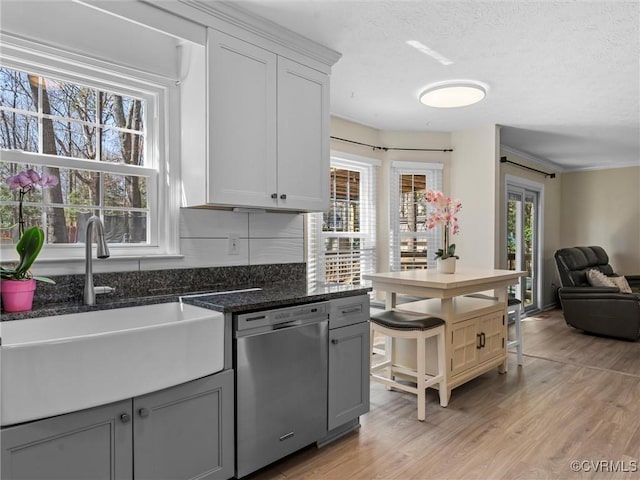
<point x="348" y="373"/>
<point x="492" y="329"/>
<point x="303" y="137"/>
<point x="186" y="431"/>
<point x="85" y="445"/>
<point x="465" y="345"/>
<point x="242" y="122"/>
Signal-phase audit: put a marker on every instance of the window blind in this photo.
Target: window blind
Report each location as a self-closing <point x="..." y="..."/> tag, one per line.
<point x="411" y="244"/>
<point x="341" y="242"/>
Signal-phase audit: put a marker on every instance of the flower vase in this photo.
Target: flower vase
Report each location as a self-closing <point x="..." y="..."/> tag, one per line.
<point x="17" y="295"/>
<point x="448" y="265"/>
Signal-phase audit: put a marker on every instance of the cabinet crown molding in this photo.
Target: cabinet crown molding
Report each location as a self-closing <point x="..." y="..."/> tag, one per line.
<point x="231" y="14"/>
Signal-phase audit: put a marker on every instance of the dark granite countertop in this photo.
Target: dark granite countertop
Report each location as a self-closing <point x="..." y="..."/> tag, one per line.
<point x="274" y="295"/>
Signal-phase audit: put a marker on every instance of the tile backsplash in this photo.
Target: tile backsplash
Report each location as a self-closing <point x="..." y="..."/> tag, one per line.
<point x="263" y="239"/>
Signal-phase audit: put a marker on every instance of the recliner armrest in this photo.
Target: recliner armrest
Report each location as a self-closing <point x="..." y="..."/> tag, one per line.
<point x="596" y="293"/>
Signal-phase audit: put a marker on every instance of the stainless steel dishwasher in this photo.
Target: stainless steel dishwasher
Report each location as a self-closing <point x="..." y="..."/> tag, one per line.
<point x="280" y="360"/>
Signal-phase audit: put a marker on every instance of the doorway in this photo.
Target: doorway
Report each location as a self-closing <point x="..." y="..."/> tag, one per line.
<point x="523" y="240"/>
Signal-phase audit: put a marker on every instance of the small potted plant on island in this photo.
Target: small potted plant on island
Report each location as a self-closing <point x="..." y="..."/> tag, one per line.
<point x="444" y="212"/>
<point x="17" y="284"/>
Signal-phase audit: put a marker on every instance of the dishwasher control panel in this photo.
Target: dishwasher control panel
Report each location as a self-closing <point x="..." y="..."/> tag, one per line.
<point x="289" y="315"/>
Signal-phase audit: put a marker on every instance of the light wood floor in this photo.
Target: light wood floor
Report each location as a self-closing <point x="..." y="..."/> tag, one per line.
<point x="577" y="398"/>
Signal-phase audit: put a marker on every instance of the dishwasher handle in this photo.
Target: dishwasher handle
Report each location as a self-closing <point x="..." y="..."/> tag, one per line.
<point x="280" y="317"/>
<point x="258" y="330"/>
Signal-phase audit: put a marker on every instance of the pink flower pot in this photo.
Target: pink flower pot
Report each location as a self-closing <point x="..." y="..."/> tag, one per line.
<point x="17" y="295"/>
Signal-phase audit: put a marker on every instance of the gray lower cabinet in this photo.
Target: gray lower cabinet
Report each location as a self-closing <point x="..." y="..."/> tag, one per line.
<point x="183" y="432"/>
<point x="348" y="360"/>
<point x="89" y="444"/>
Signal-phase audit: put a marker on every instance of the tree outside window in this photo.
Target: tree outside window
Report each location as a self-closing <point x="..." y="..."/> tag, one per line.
<point x="93" y="140"/>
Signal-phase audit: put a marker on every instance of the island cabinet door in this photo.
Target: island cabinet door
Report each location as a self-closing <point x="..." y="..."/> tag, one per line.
<point x="348" y="373"/>
<point x="186" y="431"/>
<point x="89" y="444"/>
<point x="492" y="330"/>
<point x="465" y="345"/>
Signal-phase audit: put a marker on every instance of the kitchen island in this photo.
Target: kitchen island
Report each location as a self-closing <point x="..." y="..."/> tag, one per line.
<point x="475" y="328"/>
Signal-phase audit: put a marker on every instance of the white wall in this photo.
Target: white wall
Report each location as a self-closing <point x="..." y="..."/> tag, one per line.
<point x="79" y="29"/>
<point x="474" y="180"/>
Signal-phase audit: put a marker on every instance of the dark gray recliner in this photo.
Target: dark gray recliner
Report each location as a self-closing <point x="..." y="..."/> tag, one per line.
<point x="598" y="310"/>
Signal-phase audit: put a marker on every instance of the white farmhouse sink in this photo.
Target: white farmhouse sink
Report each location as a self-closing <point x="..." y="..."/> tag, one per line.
<point x="58" y="364"/>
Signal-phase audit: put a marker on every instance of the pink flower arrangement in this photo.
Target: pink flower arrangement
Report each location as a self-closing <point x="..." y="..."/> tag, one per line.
<point x="26" y="181"/>
<point x="445" y="213"/>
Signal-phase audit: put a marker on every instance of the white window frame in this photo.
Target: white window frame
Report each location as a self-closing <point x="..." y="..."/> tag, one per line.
<point x="161" y="97"/>
<point x="315" y="237"/>
<point x="433" y="172"/>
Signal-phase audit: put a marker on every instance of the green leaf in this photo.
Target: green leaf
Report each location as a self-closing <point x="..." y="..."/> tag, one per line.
<point x="28" y="248"/>
<point x="44" y="279"/>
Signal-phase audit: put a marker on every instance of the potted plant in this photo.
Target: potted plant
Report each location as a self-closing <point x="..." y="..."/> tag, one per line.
<point x="17" y="283"/>
<point x="444" y="213"/>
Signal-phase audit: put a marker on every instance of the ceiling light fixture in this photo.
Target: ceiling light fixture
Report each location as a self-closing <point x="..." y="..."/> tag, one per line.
<point x="453" y="93"/>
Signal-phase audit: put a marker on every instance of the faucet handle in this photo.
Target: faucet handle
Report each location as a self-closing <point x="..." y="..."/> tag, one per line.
<point x="100" y="290"/>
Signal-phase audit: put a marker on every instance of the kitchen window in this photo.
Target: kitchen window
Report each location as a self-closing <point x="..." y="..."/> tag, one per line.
<point x="412" y="245"/>
<point x="99" y="136"/>
<point x="341" y="242"/>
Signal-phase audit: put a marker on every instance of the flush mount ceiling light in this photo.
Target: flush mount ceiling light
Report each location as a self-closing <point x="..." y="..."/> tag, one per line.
<point x="453" y="93"/>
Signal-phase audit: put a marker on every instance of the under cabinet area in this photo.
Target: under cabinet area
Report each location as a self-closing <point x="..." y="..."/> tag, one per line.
<point x="267" y="130"/>
<point x="181" y="432"/>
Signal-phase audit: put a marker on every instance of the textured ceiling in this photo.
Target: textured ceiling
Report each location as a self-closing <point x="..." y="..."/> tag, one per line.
<point x="564" y="77"/>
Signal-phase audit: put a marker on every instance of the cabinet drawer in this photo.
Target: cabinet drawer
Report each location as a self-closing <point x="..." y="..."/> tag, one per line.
<point x="348" y="311"/>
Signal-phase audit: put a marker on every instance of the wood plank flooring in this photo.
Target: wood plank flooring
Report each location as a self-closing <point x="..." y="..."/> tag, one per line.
<point x="577" y="398"/>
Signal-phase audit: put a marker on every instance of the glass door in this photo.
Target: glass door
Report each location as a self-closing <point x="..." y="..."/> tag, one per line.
<point x="522" y="242"/>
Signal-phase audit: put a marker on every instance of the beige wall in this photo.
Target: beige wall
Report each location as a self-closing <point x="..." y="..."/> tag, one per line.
<point x="602" y="207"/>
<point x="473" y="177"/>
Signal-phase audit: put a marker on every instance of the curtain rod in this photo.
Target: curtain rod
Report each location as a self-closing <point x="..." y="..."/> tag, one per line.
<point x="374" y="147"/>
<point x="550" y="175"/>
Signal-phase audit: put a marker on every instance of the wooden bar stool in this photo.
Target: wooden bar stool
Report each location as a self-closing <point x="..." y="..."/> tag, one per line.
<point x="396" y="324"/>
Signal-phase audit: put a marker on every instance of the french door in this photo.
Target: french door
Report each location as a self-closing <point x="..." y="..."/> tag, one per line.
<point x="523" y="220"/>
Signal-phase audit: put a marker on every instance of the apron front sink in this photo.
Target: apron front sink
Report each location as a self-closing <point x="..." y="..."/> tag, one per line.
<point x="59" y="364"/>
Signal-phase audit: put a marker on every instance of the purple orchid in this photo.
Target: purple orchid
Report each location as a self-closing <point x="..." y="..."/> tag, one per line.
<point x="26" y="181"/>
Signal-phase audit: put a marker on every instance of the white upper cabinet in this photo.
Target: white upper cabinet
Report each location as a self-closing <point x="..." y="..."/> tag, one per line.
<point x="242" y="127"/>
<point x="303" y="137"/>
<point x="254" y="108"/>
<point x="268" y="137"/>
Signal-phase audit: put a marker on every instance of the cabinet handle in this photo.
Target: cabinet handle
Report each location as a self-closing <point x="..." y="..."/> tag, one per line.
<point x="483" y="339"/>
<point x="478" y="341"/>
<point x="144" y="412"/>
<point x="335" y="341"/>
<point x="283" y="196"/>
<point x="274" y="195"/>
<point x="125" y="418"/>
<point x="352" y="310"/>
